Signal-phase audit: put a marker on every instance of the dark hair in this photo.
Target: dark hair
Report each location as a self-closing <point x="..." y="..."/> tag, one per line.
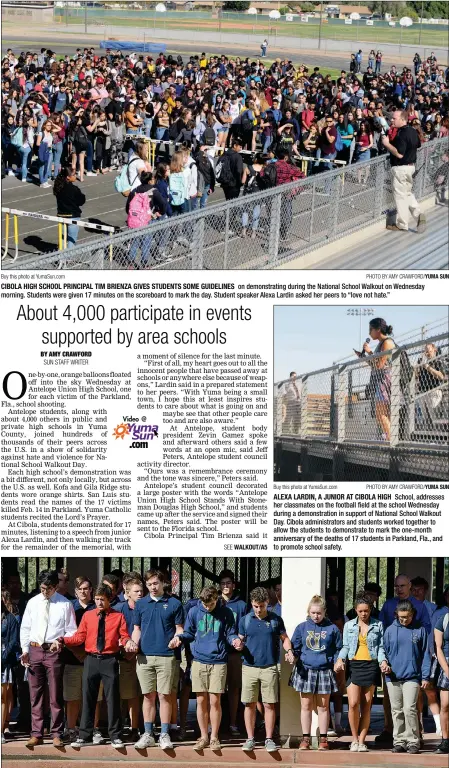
<point x="161" y="171"/>
<point x="363" y="599"/>
<point x="259" y="595"/>
<point x="373" y="586"/>
<point x="406" y="606"/>
<point x="118" y="572"/>
<point x="48" y="578"/>
<point x="379" y="324"/>
<point x="420" y="581"/>
<point x="62" y="179"/>
<point x="103" y="591"/>
<point x="226" y="574"/>
<point x="111" y="578"/>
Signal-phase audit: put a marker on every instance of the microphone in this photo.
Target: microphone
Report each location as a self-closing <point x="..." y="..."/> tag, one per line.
<point x="367" y="341"/>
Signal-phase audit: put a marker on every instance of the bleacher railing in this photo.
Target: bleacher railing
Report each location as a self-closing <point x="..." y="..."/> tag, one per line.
<point x="404" y="402"/>
<point x="256" y="231"/>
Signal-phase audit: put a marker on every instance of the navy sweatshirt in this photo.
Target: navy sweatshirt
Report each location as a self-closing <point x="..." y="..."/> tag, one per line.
<point x="210" y="632"/>
<point x="317" y="645"/>
<point x="406" y="652"/>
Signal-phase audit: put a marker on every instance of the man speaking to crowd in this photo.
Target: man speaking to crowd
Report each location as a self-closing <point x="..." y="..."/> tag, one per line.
<point x="403" y="149"/>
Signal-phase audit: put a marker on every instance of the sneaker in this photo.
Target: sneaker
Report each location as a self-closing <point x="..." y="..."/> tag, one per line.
<point x="354" y="746"/>
<point x="70" y="735"/>
<point x="422" y="224"/>
<point x="97" y="736"/>
<point x="91" y="173"/>
<point x="324" y="744"/>
<point x="117" y="743"/>
<point x="78" y="743"/>
<point x="215" y="745"/>
<point x="331" y="732"/>
<point x="46" y="185"/>
<point x="270" y="746"/>
<point x="146" y="740"/>
<point x="181" y="734"/>
<point x="24" y="181"/>
<point x="201" y="744"/>
<point x="443" y="747"/>
<point x="234" y="731"/>
<point x="362" y="748"/>
<point x="165" y="742"/>
<point x="386" y="737"/>
<point x="248" y="745"/>
<point x="339" y="731"/>
<point x="305" y="743"/>
<point x="413" y="749"/>
<point x="398" y="748"/>
<point x="10" y="173"/>
<point x="3" y="735"/>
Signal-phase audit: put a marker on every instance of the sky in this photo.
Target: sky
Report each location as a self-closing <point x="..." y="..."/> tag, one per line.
<point x="309" y="338"/>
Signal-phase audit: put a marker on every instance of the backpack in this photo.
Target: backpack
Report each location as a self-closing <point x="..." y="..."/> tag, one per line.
<point x="17" y="137"/>
<point x="173" y="131"/>
<point x="270" y="176"/>
<point x="177" y="189"/>
<point x="252" y="183"/>
<point x="139" y="210"/>
<point x="209" y="137"/>
<point x="247" y="620"/>
<point x="204" y="172"/>
<point x="338" y="142"/>
<point x="43" y="152"/>
<point x="123" y="181"/>
<point x="247" y="124"/>
<point x="80" y="138"/>
<point x="223" y="171"/>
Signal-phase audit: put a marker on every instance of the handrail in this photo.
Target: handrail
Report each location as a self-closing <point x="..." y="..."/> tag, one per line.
<point x="340" y="367"/>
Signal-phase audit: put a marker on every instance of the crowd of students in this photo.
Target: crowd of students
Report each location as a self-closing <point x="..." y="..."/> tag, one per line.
<point x="132" y="642"/>
<point x="80" y="115"/>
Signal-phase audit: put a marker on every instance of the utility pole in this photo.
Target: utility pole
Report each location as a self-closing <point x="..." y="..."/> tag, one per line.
<point x="420" y="26"/>
<point x="321" y="22"/>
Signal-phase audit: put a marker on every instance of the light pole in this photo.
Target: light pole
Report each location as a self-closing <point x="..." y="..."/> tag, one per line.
<point x="420" y="26"/>
<point x="321" y="22"/>
<point x="85" y="17"/>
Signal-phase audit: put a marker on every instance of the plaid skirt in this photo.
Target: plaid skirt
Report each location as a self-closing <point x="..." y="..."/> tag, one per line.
<point x="443" y="681"/>
<point x="313" y="680"/>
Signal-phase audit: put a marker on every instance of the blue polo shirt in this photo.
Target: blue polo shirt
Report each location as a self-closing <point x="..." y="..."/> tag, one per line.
<point x="123" y="607"/>
<point x="261" y="639"/>
<point x="157" y="620"/>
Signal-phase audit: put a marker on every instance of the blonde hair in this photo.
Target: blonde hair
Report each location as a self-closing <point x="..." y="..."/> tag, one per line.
<point x="317" y="600"/>
<point x="177" y="163"/>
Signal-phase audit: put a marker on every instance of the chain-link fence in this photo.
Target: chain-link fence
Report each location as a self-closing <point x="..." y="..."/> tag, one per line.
<point x="257" y="231"/>
<point x="389" y="410"/>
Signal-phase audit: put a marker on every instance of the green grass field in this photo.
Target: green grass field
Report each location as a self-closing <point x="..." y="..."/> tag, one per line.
<point x="437" y="37"/>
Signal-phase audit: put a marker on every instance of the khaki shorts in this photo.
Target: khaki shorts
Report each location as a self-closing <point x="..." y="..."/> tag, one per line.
<point x="234" y="671"/>
<point x="208" y="678"/>
<point x="72" y="683"/>
<point x="265" y="679"/>
<point x="129" y="684"/>
<point x="155" y="673"/>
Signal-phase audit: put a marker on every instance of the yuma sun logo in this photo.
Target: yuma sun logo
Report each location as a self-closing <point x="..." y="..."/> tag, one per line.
<point x="138" y="430"/>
